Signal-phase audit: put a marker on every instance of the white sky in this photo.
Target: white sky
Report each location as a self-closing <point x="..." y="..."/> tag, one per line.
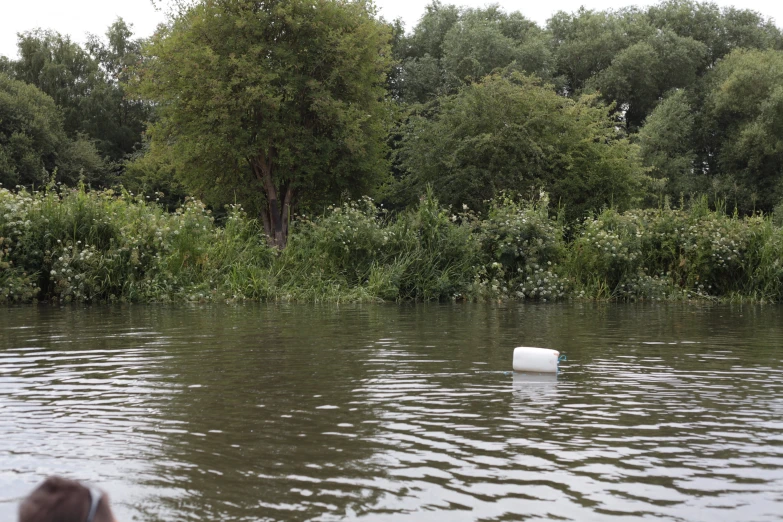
<point x="79" y="17"/>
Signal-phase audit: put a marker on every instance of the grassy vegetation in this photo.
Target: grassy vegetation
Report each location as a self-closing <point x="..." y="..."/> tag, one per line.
<point x="76" y="245"/>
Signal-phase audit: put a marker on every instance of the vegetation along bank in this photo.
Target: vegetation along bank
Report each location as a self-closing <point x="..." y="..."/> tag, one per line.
<point x="309" y="150"/>
<point x="85" y="246"/>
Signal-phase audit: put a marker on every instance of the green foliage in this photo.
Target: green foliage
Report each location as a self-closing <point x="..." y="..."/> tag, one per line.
<point x="87" y="85"/>
<point x="30" y="133"/>
<point x="78" y="245"/>
<point x="487" y="39"/>
<point x="450" y="47"/>
<point x="674" y="254"/>
<point x="743" y="126"/>
<point x="85" y="246"/>
<point x="720" y="30"/>
<point x="666" y="145"/>
<point x="422" y="255"/>
<point x="111" y="116"/>
<point x="522" y="247"/>
<point x="587" y="41"/>
<point x="437" y="258"/>
<point x="421" y="76"/>
<point x="634" y="56"/>
<point x="271" y="105"/>
<point x="510" y="132"/>
<point x="60" y="68"/>
<point x="33" y="144"/>
<point x="641" y="73"/>
<point x="420" y="79"/>
<point x="150" y="171"/>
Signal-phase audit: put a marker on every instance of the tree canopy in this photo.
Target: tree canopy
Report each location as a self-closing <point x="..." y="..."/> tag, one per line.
<point x="510" y="132"/>
<point x="87" y="84"/>
<point x="271" y="104"/>
<point x="33" y="143"/>
<point x="282" y="105"/>
<point x="744" y="114"/>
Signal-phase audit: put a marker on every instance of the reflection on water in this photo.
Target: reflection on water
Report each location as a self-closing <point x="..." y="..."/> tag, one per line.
<point x="397" y="413"/>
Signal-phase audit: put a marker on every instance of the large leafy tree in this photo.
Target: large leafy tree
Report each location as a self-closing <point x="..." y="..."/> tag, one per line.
<point x="488" y="39"/>
<point x="87" y="84"/>
<point x="511" y="133"/>
<point x="33" y="143"/>
<point x="640" y="74"/>
<point x="742" y="126"/>
<point x="60" y="68"/>
<point x="111" y="117"/>
<point x="271" y="103"/>
<point x="586" y="42"/>
<point x="420" y="54"/>
<point x="450" y="47"/>
<point x="428" y="35"/>
<point x="666" y="143"/>
<point x="720" y="30"/>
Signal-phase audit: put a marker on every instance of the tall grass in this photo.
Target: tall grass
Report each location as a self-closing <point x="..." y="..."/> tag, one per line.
<point x="86" y="246"/>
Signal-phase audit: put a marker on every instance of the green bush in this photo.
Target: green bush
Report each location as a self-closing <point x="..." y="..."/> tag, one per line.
<point x="674" y="254"/>
<point x="422" y="255"/>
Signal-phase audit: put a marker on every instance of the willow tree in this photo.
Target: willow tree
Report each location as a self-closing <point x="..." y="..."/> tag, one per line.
<point x="271" y="103"/>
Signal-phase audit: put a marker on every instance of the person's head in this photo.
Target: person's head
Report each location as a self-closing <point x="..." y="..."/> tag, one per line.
<point x="63" y="500"/>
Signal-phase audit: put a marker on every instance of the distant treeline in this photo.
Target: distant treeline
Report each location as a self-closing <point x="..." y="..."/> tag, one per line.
<point x="289" y="106"/>
<point x="696" y="89"/>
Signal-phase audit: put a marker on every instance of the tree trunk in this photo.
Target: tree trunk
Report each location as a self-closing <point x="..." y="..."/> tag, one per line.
<point x="276" y="214"/>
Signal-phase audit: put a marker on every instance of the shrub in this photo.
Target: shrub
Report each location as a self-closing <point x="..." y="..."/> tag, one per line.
<point x="522" y="248"/>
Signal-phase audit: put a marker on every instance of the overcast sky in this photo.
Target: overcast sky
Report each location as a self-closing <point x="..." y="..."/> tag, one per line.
<point x="79" y="17"/>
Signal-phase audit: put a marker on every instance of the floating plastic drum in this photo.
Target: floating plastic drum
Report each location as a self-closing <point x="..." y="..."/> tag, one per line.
<point x="529" y="359"/>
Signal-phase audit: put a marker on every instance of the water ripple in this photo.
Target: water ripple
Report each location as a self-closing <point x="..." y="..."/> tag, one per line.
<point x="395" y="413"/>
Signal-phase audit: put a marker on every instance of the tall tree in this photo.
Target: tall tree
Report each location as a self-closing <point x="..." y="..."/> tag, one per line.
<point x="111" y="117"/>
<point x="33" y="144"/>
<point x="87" y="84"/>
<point x="271" y="103"/>
<point x="640" y="74"/>
<point x="488" y="39"/>
<point x="742" y="126"/>
<point x="421" y="76"/>
<point x="666" y="143"/>
<point x="586" y="42"/>
<point x="429" y="33"/>
<point x="61" y="69"/>
<point x="720" y="30"/>
<point x="510" y="132"/>
<point x="450" y="47"/>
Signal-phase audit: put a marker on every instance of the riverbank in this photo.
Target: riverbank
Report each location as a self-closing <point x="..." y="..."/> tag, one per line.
<point x="77" y="245"/>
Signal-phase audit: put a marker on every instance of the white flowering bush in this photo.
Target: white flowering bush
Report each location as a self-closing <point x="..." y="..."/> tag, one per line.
<point x="16" y="285"/>
<point x="78" y="245"/>
<point x="523" y="249"/>
<point x="17" y="282"/>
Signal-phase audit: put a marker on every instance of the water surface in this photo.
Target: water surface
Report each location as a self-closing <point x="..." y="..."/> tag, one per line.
<point x="397" y="413"/>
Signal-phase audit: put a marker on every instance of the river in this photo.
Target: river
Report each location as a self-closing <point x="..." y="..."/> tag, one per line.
<point x="397" y="412"/>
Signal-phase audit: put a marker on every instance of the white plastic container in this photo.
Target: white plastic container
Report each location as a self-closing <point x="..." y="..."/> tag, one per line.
<point x="529" y="359"/>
